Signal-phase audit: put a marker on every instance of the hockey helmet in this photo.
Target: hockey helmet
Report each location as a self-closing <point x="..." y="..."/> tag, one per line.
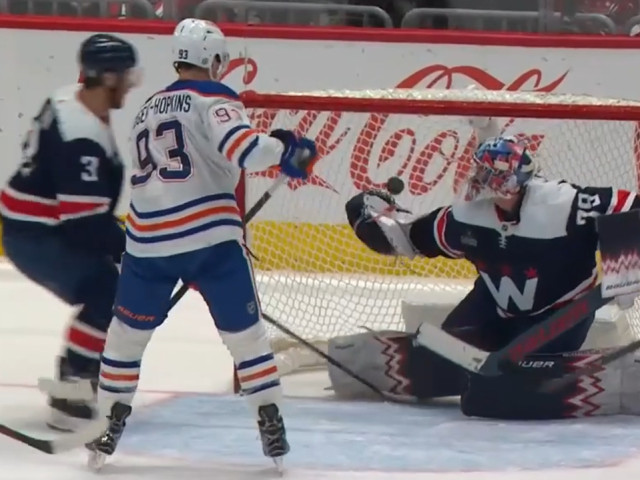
<point x="104" y="53"/>
<point x="501" y="168"/>
<point x="200" y="43"/>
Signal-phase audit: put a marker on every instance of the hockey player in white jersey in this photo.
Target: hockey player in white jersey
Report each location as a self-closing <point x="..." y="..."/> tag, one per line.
<point x="191" y="141"/>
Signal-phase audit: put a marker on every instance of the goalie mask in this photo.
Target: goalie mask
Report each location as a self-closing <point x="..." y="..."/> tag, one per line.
<point x="501" y="168"/>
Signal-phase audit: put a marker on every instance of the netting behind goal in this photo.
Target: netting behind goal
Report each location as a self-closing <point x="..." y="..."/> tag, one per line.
<point x="315" y="277"/>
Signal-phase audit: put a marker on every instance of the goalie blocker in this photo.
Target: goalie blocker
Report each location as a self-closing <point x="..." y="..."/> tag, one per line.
<point x="396" y="363"/>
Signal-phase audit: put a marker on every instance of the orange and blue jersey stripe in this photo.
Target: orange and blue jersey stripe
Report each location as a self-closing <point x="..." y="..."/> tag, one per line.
<point x="184" y="220"/>
<point x="238" y="143"/>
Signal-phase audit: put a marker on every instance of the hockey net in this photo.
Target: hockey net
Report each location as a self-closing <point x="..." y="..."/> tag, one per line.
<point x="316" y="278"/>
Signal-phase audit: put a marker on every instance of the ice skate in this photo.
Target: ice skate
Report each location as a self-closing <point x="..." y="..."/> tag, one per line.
<point x="106" y="444"/>
<point x="71" y="398"/>
<point x="273" y="434"/>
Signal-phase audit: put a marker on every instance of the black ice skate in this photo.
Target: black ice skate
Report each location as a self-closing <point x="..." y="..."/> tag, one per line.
<point x="272" y="433"/>
<point x="71" y="397"/>
<point x="106" y="444"/>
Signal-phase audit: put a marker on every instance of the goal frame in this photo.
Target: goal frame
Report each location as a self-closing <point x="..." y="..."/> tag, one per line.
<point x="499" y="104"/>
<point x="546" y="106"/>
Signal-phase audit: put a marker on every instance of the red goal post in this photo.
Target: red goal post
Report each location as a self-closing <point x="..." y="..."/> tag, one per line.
<point x="315" y="277"/>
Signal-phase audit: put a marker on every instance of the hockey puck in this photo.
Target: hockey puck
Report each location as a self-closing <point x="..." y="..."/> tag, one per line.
<point x="395" y="185"/>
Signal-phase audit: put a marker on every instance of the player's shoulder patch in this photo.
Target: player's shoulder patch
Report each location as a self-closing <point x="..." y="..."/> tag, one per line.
<point x="76" y="122"/>
<point x="205" y="88"/>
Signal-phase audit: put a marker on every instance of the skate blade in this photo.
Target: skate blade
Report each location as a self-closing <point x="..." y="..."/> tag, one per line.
<point x="76" y="391"/>
<point x="96" y="461"/>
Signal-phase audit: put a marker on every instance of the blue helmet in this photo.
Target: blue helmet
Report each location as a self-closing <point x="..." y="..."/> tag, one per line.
<point x="104" y="53"/>
<point x="501" y="167"/>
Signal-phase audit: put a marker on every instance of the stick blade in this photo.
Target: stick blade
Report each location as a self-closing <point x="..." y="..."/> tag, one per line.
<point x="45" y="446"/>
<point x="60" y="444"/>
<point x="446" y="345"/>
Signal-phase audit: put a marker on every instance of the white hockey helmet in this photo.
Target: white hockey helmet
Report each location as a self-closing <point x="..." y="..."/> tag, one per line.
<point x="199" y="43"/>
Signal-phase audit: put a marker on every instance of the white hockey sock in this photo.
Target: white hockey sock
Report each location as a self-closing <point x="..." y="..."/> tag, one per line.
<point x="256" y="366"/>
<point x="120" y="364"/>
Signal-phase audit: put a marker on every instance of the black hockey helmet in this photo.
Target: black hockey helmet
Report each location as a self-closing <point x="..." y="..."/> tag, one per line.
<point x="104" y="53"/>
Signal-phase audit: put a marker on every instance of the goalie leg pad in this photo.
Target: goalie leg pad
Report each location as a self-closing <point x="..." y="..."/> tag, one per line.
<point x="391" y="362"/>
<point x="516" y="395"/>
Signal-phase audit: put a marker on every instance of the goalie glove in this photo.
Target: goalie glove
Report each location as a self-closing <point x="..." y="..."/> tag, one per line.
<point x="380" y="223"/>
<point x="299" y="154"/>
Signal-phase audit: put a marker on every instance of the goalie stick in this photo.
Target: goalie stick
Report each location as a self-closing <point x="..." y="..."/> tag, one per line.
<point x="495" y="363"/>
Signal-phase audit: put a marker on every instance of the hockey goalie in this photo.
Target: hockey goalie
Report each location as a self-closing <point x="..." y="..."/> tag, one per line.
<point x="511" y="222"/>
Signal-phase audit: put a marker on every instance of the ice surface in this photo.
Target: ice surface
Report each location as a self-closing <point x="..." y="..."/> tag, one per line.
<point x="186" y="425"/>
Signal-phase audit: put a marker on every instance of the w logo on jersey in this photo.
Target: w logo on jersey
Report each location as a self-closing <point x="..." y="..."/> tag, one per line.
<point x="508" y="290"/>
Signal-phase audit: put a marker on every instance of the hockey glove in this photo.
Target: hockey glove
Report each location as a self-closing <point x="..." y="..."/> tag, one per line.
<point x="298" y="156"/>
<point x="375" y="218"/>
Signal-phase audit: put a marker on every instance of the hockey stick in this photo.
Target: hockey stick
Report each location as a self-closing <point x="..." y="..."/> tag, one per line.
<point x="495" y="363"/>
<point x="383" y="395"/>
<point x="253" y="211"/>
<point x="557" y="383"/>
<point x="61" y="444"/>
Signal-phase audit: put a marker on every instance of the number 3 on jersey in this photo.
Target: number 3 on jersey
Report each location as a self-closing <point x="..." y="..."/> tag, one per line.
<point x="175" y="166"/>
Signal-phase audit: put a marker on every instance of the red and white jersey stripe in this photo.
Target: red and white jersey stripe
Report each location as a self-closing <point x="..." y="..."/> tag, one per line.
<point x="32" y="208"/>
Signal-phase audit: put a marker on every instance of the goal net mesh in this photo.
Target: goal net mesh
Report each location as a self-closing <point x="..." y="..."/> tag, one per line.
<point x="318" y="279"/>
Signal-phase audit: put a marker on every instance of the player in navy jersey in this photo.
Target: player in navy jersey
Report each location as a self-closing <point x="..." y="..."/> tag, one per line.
<point x="59" y="227"/>
<point x="533" y="242"/>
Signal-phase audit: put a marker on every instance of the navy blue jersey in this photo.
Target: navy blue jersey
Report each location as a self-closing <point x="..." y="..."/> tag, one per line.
<point x="539" y="261"/>
<point x="70" y="179"/>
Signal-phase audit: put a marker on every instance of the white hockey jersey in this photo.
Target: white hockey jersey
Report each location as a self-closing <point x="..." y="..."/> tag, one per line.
<point x="190" y="142"/>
